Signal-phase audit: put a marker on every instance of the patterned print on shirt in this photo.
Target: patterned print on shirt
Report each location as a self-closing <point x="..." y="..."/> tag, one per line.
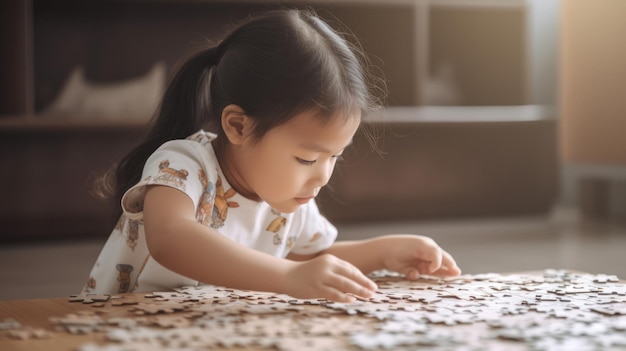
<point x="132" y="233"/>
<point x="291" y="242"/>
<point x="205" y="207"/>
<point x="221" y="206"/>
<point x="90" y="284"/>
<point x="313" y="239"/>
<point x="276" y="225"/>
<point x="171" y="176"/>
<point x="123" y="277"/>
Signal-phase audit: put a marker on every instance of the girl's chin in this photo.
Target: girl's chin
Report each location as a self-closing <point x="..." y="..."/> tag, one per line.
<point x="286" y="207"/>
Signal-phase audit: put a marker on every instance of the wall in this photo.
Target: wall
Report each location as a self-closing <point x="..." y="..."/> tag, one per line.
<point x="592" y="102"/>
<point x="593" y="71"/>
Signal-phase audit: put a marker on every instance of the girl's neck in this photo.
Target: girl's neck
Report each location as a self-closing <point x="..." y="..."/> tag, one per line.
<point x="230" y="170"/>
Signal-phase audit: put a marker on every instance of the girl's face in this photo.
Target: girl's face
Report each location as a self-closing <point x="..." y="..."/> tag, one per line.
<point x="288" y="167"/>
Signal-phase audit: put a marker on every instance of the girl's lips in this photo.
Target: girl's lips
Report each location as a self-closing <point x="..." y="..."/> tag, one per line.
<point x="303" y="200"/>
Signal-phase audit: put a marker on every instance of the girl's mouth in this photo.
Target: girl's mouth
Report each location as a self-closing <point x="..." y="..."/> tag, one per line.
<point x="303" y="200"/>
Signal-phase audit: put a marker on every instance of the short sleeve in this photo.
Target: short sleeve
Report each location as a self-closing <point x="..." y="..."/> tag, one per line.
<point x="316" y="233"/>
<point x="184" y="165"/>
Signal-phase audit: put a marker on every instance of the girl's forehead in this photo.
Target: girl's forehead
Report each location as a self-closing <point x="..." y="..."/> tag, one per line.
<point x="329" y="133"/>
<point x="316" y="122"/>
<point x="337" y="119"/>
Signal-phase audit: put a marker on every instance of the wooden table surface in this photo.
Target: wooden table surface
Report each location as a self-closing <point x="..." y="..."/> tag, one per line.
<point x="36" y="313"/>
<point x="40" y="313"/>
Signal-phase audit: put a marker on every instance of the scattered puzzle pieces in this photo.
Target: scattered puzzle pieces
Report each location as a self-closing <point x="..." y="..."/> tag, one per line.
<point x="79" y="323"/>
<point x="29" y="333"/>
<point x="9" y="323"/>
<point x="89" y="298"/>
<point x="559" y="310"/>
<point x="157" y="307"/>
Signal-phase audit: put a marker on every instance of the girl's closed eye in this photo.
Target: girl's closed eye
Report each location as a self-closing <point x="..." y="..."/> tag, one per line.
<point x="338" y="157"/>
<point x="305" y="162"/>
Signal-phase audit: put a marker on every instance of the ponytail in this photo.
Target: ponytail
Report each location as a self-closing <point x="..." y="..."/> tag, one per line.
<point x="185" y="103"/>
<point x="183" y="110"/>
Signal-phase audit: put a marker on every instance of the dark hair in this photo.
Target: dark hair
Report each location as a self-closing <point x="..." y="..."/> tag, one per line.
<point x="273" y="66"/>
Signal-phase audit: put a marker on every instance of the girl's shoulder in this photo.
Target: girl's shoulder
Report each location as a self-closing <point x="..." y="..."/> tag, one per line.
<point x="194" y="152"/>
<point x="200" y="141"/>
<point x="202" y="137"/>
<point x="189" y="165"/>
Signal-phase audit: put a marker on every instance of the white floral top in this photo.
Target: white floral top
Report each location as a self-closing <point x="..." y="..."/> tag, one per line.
<point x="190" y="165"/>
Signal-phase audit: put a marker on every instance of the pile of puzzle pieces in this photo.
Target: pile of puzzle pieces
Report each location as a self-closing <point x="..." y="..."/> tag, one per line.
<point x="559" y="310"/>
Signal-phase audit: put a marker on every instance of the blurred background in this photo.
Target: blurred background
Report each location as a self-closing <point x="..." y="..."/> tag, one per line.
<point x="504" y="138"/>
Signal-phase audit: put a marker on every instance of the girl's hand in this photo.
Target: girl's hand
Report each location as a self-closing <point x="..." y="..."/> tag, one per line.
<point x="414" y="255"/>
<point x="329" y="277"/>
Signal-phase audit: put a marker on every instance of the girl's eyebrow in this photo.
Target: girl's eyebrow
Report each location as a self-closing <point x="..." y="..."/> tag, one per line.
<point x="319" y="148"/>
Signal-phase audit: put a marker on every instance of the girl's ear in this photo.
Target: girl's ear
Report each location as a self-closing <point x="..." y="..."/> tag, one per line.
<point x="236" y="124"/>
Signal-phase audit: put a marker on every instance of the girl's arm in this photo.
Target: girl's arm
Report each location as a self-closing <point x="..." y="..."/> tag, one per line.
<point x="181" y="244"/>
<point x="411" y="255"/>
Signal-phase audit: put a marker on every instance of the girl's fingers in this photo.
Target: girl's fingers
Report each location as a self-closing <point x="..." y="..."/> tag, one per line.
<point x="350" y="279"/>
<point x="355" y="274"/>
<point x="435" y="261"/>
<point x="432" y="255"/>
<point x="450" y="263"/>
<point x="412" y="273"/>
<point x="339" y="296"/>
<point x="448" y="266"/>
<point x="339" y="286"/>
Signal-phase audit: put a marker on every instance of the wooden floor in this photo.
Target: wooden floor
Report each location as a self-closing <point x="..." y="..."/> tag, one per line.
<point x="558" y="240"/>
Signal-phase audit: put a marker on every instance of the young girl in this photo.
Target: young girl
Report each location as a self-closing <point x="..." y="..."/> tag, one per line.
<point x="284" y="95"/>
